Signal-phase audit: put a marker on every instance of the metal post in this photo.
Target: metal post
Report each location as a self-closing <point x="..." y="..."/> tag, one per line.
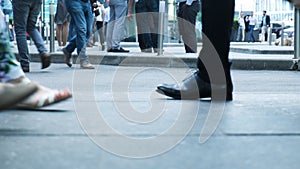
<point x="174" y="19"/>
<point x="42" y="19"/>
<point x="282" y="35"/>
<point x="40" y="25"/>
<point x="161" y="26"/>
<point x="47" y="33"/>
<point x="270" y="34"/>
<point x="52" y="39"/>
<point x="296" y="58"/>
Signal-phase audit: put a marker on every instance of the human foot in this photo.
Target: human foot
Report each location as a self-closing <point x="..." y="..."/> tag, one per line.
<point x="44" y="97"/>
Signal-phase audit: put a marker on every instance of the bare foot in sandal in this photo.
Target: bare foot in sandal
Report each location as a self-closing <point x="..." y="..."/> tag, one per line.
<point x="42" y="97"/>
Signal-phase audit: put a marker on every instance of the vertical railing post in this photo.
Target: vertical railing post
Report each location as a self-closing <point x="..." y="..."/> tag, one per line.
<point x="270" y="34"/>
<point x="296" y="57"/>
<point x="46" y="33"/>
<point x="52" y="37"/>
<point x="162" y="8"/>
<point x="282" y="34"/>
<point x="42" y="19"/>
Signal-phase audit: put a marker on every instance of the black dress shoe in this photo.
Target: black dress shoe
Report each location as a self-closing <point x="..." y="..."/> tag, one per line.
<point x="194" y="88"/>
<point x="121" y="50"/>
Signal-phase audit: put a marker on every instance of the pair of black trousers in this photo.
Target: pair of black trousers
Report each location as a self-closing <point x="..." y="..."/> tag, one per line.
<point x="147" y="23"/>
<point x="217" y="20"/>
<point x="186" y="16"/>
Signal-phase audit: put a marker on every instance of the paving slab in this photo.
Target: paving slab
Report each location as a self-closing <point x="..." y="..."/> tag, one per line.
<point x="220" y="152"/>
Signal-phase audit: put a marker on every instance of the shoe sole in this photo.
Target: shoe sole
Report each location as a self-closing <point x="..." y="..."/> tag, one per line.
<point x="228" y="97"/>
<point x="118" y="51"/>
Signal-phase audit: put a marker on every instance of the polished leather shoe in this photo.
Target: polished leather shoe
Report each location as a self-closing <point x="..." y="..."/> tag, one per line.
<point x="121" y="50"/>
<point x="194" y="88"/>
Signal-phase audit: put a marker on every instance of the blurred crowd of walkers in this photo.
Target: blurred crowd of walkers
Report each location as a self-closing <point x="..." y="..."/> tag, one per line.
<point x="79" y="24"/>
<point x="87" y="23"/>
<point x="247" y="23"/>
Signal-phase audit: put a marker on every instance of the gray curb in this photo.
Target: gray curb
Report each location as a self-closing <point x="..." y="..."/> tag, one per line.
<point x="152" y="60"/>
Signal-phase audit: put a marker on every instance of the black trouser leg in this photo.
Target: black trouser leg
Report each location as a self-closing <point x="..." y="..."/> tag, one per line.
<point x="141" y="21"/>
<point x="186" y="24"/>
<point x="147" y="23"/>
<point x="153" y="7"/>
<point x="217" y="19"/>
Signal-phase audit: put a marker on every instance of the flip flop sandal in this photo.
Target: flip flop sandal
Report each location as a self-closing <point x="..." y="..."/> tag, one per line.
<point x="47" y="100"/>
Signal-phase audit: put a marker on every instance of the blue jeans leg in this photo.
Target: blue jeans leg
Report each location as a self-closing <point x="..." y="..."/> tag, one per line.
<point x="89" y="23"/>
<point x="71" y="32"/>
<point x="251" y="34"/>
<point x="25" y="17"/>
<point x="82" y="18"/>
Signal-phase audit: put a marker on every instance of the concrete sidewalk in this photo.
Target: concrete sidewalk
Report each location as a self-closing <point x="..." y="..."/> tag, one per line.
<point x="246" y="56"/>
<point x="260" y="129"/>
